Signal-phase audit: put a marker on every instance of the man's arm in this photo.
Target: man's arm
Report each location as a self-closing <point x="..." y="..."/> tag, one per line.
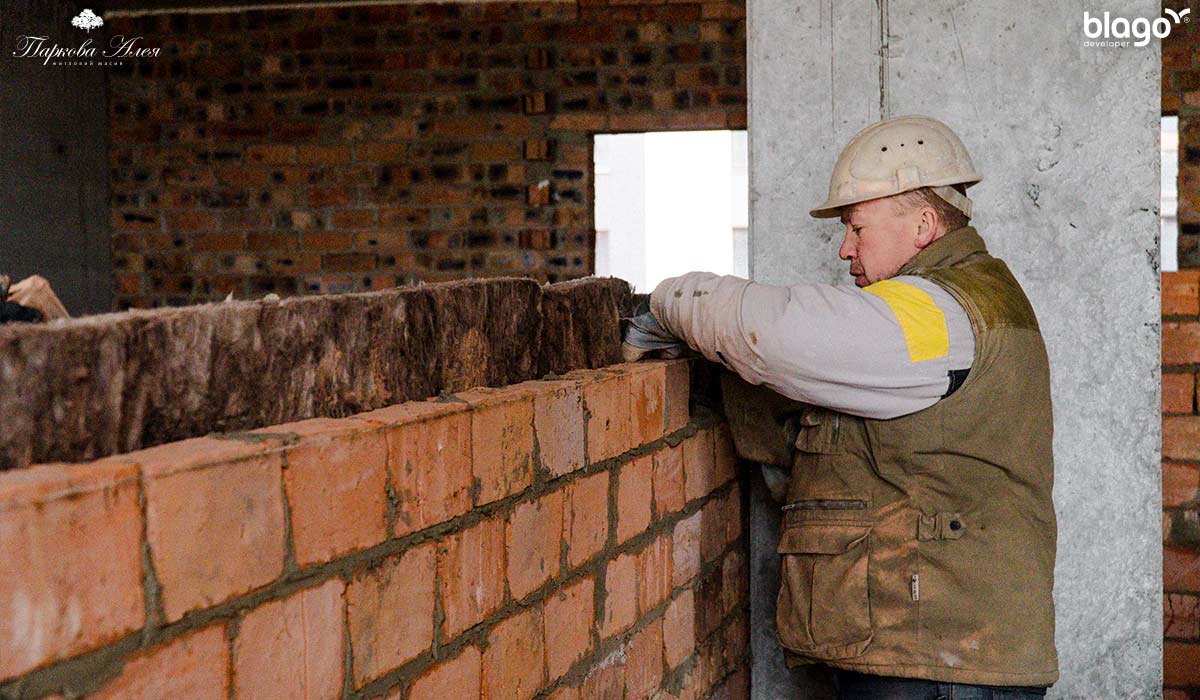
<point x="880" y="352"/>
<point x="35" y="292"/>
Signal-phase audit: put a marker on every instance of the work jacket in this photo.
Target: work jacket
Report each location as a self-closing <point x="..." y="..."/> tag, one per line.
<point x="922" y="545"/>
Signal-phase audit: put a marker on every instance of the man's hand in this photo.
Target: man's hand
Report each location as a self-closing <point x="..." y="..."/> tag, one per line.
<point x="35" y="292"/>
<point x="644" y="335"/>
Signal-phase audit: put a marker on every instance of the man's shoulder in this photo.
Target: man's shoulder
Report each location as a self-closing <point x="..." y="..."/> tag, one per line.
<point x="988" y="291"/>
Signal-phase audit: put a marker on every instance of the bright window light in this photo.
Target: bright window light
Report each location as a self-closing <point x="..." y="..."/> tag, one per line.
<point x="669" y="203"/>
<point x="1169" y="198"/>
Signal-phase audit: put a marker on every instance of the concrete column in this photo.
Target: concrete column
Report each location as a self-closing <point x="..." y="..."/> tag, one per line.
<point x="1066" y="137"/>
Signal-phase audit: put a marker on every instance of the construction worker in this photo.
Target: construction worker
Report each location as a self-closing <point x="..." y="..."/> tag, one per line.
<point x="913" y="411"/>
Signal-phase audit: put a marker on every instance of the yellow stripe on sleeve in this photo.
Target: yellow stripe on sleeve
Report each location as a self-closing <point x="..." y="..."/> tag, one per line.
<point x="922" y="322"/>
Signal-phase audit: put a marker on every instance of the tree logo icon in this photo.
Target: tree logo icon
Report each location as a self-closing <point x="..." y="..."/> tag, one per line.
<point x="87" y="21"/>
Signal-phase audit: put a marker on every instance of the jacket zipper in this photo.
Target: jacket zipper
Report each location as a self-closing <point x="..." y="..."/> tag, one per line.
<point x="837" y="426"/>
<point x="827" y="504"/>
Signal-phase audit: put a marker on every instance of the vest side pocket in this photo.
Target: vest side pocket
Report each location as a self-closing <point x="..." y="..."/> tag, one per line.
<point x="824" y="607"/>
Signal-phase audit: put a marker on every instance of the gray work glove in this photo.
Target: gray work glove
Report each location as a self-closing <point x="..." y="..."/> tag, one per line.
<point x="644" y="335"/>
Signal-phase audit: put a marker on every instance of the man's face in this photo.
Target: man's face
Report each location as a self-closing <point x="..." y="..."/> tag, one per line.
<point x="878" y="240"/>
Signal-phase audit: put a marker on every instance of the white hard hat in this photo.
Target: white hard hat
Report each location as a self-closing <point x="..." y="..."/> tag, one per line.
<point x="898" y="155"/>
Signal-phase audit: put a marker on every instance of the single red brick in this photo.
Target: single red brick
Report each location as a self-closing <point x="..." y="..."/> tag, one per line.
<point x="713" y="529"/>
<point x="606" y="400"/>
<point x="678" y="386"/>
<point x="1181" y="293"/>
<point x="724" y="455"/>
<point x="410" y="412"/>
<point x="648" y="405"/>
<point x="1181" y="616"/>
<point x="1180" y="343"/>
<point x="644" y="661"/>
<point x="1181" y="437"/>
<point x="737" y="639"/>
<point x="514" y="664"/>
<point x="737" y="684"/>
<point x="322" y="155"/>
<point x="621" y="598"/>
<point x="634" y="494"/>
<point x="606" y="681"/>
<point x="271" y="154"/>
<point x="668" y="480"/>
<point x="391" y="613"/>
<point x="733" y="581"/>
<point x="585" y="521"/>
<point x="459" y="678"/>
<point x="679" y="628"/>
<point x="685" y="550"/>
<point x="1180" y="483"/>
<point x="534" y="543"/>
<point x="471" y="570"/>
<point x="381" y="151"/>
<point x="655" y="564"/>
<point x="569" y="616"/>
<point x="1181" y="570"/>
<point x="501" y="441"/>
<point x="733" y="514"/>
<point x="558" y="416"/>
<point x="293" y="648"/>
<point x="1178" y="393"/>
<point x="1181" y="664"/>
<point x="354" y="218"/>
<point x="430" y="466"/>
<point x="204" y="496"/>
<point x="578" y="122"/>
<point x="336" y="480"/>
<point x="64" y="593"/>
<point x="699" y="466"/>
<point x="195" y="666"/>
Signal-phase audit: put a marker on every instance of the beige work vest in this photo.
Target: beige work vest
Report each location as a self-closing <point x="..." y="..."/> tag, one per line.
<point x="923" y="546"/>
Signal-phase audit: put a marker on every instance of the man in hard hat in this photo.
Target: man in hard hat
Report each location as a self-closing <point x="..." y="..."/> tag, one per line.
<point x="913" y="410"/>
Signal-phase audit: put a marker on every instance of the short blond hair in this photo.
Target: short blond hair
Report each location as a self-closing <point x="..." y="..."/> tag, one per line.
<point x="949" y="216"/>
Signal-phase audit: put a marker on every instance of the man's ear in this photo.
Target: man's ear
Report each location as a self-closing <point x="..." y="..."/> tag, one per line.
<point x="927" y="227"/>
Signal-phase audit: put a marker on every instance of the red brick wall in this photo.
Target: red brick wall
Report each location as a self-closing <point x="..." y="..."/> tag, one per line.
<point x="1181" y="360"/>
<point x="573" y="538"/>
<point x="342" y="149"/>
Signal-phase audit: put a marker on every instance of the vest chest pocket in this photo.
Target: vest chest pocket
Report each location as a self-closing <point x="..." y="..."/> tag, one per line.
<point x="824" y="608"/>
<point x="819" y="431"/>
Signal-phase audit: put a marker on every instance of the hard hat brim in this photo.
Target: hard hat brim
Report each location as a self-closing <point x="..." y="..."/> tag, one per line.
<point x="832" y="207"/>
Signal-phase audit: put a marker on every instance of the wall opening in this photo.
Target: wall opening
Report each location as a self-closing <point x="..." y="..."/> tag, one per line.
<point x="1169" y="194"/>
<point x="671" y="202"/>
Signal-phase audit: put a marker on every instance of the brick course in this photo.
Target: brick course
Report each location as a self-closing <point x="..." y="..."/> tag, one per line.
<point x="529" y="595"/>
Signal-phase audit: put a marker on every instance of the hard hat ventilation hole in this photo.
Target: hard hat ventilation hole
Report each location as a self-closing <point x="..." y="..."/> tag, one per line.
<point x="901" y="145"/>
<point x="920" y="143"/>
<point x="884" y="148"/>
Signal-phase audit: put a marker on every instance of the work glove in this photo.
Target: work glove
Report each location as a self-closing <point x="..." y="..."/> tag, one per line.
<point x="644" y="335"/>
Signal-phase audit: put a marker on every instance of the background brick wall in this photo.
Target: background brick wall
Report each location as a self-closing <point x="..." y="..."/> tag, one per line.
<point x="341" y="149"/>
<point x="1181" y="360"/>
<point x="573" y="538"/>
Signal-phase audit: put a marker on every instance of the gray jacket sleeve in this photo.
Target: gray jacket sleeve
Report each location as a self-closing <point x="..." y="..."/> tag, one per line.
<point x="879" y="352"/>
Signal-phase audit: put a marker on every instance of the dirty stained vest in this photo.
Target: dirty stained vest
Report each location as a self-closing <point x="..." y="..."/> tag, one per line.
<point x="923" y="546"/>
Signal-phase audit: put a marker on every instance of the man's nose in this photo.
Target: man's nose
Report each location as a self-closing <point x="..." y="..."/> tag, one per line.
<point x="846" y="250"/>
